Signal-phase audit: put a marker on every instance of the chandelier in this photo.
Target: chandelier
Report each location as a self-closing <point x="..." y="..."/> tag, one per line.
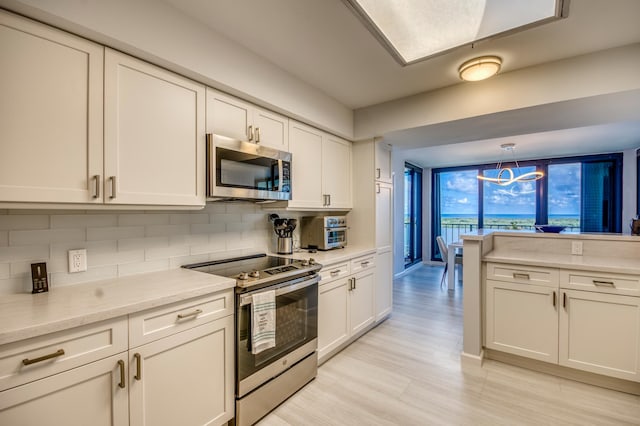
<point x="506" y="175"/>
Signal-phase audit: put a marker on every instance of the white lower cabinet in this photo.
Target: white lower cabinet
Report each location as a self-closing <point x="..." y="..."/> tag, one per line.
<point x="184" y="379"/>
<point x="600" y="333"/>
<point x="87" y="395"/>
<point x="384" y="285"/>
<point x="346" y="305"/>
<point x="534" y="312"/>
<point x="181" y="373"/>
<point x="522" y="319"/>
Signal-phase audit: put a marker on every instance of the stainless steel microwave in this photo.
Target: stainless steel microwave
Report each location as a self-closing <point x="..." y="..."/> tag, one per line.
<point x="244" y="170"/>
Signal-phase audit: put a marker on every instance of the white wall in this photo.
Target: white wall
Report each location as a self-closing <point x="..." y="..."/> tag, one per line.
<point x="155" y="31"/>
<point x="611" y="71"/>
<point x="126" y="242"/>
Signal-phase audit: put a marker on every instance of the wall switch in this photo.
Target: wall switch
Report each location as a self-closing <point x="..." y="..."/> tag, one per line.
<point x="77" y="260"/>
<point x="576" y="248"/>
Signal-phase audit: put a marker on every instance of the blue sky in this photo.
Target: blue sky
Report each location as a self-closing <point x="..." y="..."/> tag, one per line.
<point x="459" y="193"/>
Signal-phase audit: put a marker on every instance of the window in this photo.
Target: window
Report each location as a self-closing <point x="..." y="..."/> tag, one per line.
<point x="412" y="215"/>
<point x="581" y="193"/>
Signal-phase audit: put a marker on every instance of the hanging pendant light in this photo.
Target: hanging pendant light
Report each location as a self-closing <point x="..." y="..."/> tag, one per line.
<point x="506" y="175"/>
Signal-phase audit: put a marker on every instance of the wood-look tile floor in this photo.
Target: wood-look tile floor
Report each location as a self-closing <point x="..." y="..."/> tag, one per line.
<point x="407" y="371"/>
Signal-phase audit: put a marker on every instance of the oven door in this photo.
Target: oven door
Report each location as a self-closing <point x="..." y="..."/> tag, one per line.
<point x="335" y="237"/>
<point x="296" y="332"/>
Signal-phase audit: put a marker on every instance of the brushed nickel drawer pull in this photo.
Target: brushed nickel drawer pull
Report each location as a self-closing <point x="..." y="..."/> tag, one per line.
<point x="603" y="283"/>
<point x="113" y="187"/>
<point x="190" y="314"/>
<point x="334" y="272"/>
<point x="96" y="180"/>
<point x="56" y="354"/>
<point x="521" y="275"/>
<point x="138" y="358"/>
<point x="364" y="264"/>
<point x="123" y="381"/>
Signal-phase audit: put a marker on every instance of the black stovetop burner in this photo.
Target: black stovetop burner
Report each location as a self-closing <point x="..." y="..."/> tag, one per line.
<point x="257" y="270"/>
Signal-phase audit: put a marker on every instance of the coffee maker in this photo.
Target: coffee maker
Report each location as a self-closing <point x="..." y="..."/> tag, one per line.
<point x="635" y="225"/>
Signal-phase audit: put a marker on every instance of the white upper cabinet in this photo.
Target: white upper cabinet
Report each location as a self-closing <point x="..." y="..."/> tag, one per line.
<point x="50" y="114"/>
<point x="235" y="118"/>
<point x="154" y="135"/>
<point x="383" y="167"/>
<point x="321" y="169"/>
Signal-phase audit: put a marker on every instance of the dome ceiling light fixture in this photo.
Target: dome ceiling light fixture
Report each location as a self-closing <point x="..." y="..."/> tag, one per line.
<point x="480" y="68"/>
<point x="506" y="175"/>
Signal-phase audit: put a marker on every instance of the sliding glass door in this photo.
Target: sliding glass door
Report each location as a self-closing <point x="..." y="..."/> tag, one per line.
<point x="412" y="215"/>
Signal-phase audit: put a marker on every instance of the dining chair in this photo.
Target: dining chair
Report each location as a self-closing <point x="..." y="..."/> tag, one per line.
<point x="444" y="254"/>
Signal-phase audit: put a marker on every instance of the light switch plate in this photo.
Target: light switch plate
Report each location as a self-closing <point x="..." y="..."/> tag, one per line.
<point x="576" y="248"/>
<point x="77" y="260"/>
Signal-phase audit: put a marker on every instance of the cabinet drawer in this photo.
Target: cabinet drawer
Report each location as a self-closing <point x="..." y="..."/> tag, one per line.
<point x="601" y="282"/>
<point x="333" y="272"/>
<point x="362" y="263"/>
<point x="61" y="351"/>
<point x="523" y="274"/>
<point x="153" y="324"/>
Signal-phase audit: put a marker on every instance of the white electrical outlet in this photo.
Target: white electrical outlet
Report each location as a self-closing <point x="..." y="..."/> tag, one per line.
<point x="576" y="248"/>
<point x="77" y="260"/>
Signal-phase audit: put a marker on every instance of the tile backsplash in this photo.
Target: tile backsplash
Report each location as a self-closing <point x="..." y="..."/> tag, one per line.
<point x="126" y="242"/>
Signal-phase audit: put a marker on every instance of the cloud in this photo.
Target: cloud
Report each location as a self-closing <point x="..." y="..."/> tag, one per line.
<point x="463" y="182"/>
<point x="464" y="200"/>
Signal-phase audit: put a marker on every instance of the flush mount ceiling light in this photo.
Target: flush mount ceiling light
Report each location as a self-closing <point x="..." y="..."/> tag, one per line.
<point x="506" y="175"/>
<point x="480" y="68"/>
<point x="414" y="30"/>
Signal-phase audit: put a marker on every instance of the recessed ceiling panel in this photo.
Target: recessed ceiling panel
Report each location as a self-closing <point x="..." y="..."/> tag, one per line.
<point x="417" y="29"/>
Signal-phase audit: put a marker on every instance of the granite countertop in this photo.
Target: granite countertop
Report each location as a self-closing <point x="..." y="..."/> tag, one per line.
<point x="332" y="256"/>
<point x="621" y="265"/>
<point x="26" y="315"/>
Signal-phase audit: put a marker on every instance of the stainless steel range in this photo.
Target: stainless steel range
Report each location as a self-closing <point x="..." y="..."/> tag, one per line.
<point x="267" y="377"/>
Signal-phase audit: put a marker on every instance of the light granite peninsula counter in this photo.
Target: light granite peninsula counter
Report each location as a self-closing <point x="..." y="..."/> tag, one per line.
<point x="567" y="304"/>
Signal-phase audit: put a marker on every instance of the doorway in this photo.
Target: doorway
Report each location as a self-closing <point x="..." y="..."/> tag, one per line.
<point x="412" y="215"/>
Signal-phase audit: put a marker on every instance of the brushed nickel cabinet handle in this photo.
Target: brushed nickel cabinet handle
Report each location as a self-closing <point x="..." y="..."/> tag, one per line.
<point x="96" y="181"/>
<point x="564" y="300"/>
<point x="603" y="283"/>
<point x="113" y="187"/>
<point x="377" y="172"/>
<point x="55" y="354"/>
<point x="351" y="287"/>
<point x="334" y="272"/>
<point x="521" y="275"/>
<point x="123" y="381"/>
<point x="354" y="283"/>
<point x="257" y="134"/>
<point x="250" y="133"/>
<point x="324" y="200"/>
<point x="377" y="188"/>
<point x="554" y="299"/>
<point x="138" y="358"/>
<point x="190" y="314"/>
<point x="329" y="197"/>
<point x="364" y="264"/>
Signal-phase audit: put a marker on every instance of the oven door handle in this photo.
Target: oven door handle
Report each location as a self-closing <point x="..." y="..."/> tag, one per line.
<point x="247" y="299"/>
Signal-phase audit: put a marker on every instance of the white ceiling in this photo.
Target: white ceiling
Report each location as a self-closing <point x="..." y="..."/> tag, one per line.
<point x="323" y="43"/>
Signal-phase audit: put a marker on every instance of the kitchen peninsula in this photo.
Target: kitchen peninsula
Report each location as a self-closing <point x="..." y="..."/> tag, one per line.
<point x="565" y="304"/>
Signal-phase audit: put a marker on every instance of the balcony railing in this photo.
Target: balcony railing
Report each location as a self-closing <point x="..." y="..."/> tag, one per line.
<point x="451" y="231"/>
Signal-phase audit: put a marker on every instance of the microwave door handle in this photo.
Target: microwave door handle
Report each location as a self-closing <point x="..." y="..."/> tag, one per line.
<point x="280" y="169"/>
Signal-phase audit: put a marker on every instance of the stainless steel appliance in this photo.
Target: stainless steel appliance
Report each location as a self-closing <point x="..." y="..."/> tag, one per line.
<point x="323" y="232"/>
<point x="266" y="379"/>
<point x="244" y="170"/>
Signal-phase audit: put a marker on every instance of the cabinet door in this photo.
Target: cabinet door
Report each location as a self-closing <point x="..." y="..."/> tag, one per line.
<point x="184" y="379"/>
<point x="86" y="395"/>
<point x="305" y="144"/>
<point x="228" y="116"/>
<point x="600" y="333"/>
<point x="383" y="162"/>
<point x="154" y="135"/>
<point x="333" y="316"/>
<point x="362" y="301"/>
<point x="384" y="284"/>
<point x="50" y="114"/>
<point x="384" y="216"/>
<point x="522" y="320"/>
<point x="271" y="129"/>
<point x="336" y="171"/>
